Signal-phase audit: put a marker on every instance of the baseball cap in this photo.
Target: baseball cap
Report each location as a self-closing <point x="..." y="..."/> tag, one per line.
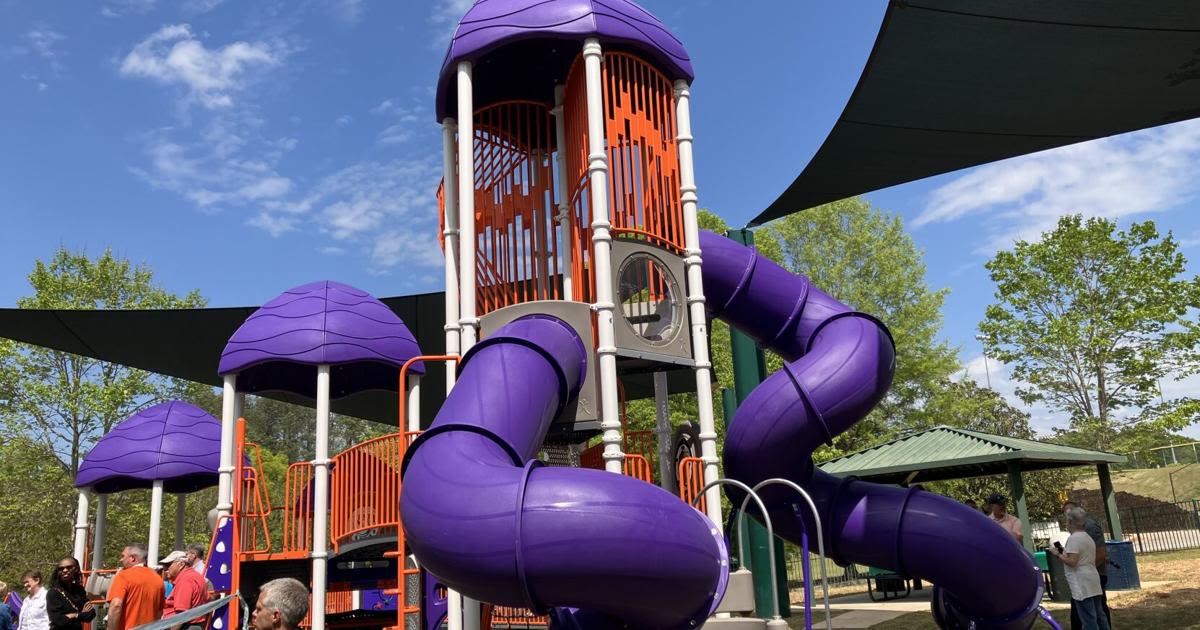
<point x="172" y="558"/>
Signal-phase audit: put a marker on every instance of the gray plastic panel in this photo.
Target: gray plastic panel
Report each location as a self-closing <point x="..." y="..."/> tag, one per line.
<point x="677" y="348"/>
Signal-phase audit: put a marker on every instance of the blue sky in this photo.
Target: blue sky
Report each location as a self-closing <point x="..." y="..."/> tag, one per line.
<point x="241" y="148"/>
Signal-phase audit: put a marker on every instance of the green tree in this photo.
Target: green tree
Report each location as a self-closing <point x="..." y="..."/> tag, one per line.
<point x="67" y="401"/>
<point x="862" y="256"/>
<point x="1091" y="319"/>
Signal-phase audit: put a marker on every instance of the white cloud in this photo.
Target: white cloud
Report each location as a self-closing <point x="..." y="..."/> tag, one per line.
<point x="121" y="8"/>
<point x="396" y="134"/>
<point x="344" y="120"/>
<point x="44" y="41"/>
<point x="348" y="11"/>
<point x="405" y="119"/>
<point x="445" y="16"/>
<point x="1146" y="171"/>
<point x="172" y="55"/>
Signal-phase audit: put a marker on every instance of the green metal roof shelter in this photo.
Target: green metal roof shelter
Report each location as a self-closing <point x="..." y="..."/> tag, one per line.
<point x="944" y="452"/>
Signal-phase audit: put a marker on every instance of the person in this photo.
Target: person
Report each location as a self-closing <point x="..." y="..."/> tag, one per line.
<point x="1001" y="517"/>
<point x="1096" y="533"/>
<point x="189" y="591"/>
<point x="33" y="608"/>
<point x="66" y="602"/>
<point x="6" y="616"/>
<point x="1079" y="562"/>
<point x="136" y="594"/>
<point x="282" y="605"/>
<point x="195" y="557"/>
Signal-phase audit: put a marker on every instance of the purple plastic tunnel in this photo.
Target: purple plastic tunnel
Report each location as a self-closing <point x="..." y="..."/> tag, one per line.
<point x="839" y="364"/>
<point x="490" y="521"/>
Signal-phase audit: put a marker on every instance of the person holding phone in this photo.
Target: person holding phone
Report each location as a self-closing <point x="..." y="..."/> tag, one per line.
<point x="1078" y="556"/>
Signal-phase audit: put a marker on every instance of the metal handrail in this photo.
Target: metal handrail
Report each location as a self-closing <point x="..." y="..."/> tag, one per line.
<point x="740" y="514"/>
<point x="820" y="536"/>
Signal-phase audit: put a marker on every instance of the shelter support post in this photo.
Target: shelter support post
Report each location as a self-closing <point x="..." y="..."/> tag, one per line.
<point x="320" y="541"/>
<point x="98" y="532"/>
<point x="81" y="526"/>
<point x="1017" y="484"/>
<point x="156" y="496"/>
<point x="413" y="411"/>
<point x="180" y="519"/>
<point x="450" y="238"/>
<point x="1110" y="502"/>
<point x="749" y="370"/>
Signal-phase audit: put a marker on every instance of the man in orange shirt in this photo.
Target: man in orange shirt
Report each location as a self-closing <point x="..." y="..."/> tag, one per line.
<point x="136" y="594"/>
<point x="190" y="590"/>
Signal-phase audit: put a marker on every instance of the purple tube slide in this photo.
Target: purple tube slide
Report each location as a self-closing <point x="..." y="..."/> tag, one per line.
<point x="484" y="516"/>
<point x="839" y="365"/>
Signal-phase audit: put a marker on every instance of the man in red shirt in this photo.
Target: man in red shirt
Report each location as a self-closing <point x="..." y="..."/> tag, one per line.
<point x="190" y="590"/>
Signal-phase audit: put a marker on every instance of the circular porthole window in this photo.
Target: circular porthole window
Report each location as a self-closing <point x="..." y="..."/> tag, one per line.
<point x="648" y="299"/>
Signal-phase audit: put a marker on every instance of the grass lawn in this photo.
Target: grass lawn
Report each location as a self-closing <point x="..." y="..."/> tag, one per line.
<point x="1172" y="606"/>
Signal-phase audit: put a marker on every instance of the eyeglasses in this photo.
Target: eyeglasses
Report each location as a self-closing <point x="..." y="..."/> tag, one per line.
<point x="68" y="567"/>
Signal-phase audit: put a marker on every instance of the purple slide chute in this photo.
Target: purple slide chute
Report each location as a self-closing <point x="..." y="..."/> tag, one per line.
<point x="484" y="516"/>
<point x="839" y="364"/>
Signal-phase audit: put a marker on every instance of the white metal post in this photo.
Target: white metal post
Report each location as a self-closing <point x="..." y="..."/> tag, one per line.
<point x="413" y="402"/>
<point x="695" y="298"/>
<point x="468" y="322"/>
<point x="225" y="470"/>
<point x="99" y="531"/>
<point x="565" y="244"/>
<point x="610" y="421"/>
<point x="81" y="526"/>
<point x="320" y="500"/>
<point x="156" y="496"/>
<point x="180" y="520"/>
<point x="450" y="237"/>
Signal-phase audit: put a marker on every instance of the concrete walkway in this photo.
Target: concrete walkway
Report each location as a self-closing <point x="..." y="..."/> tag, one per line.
<point x="864" y="618"/>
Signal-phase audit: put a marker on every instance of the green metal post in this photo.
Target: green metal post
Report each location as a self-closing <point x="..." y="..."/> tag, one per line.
<point x="750" y="369"/>
<point x="1110" y="502"/>
<point x="1018" y="493"/>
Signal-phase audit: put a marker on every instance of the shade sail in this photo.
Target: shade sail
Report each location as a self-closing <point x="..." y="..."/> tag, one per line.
<point x="187" y="344"/>
<point x="952" y="85"/>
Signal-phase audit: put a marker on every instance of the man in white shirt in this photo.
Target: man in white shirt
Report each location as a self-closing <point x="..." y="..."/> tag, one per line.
<point x="33" y="609"/>
<point x="1079" y="561"/>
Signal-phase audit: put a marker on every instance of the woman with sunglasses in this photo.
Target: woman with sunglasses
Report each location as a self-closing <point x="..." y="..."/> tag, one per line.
<point x="66" y="602"/>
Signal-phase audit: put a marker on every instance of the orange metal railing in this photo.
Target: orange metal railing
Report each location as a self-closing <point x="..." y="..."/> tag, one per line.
<point x="637" y="467"/>
<point x="365" y="488"/>
<point x="511" y="617"/>
<point x="691" y="480"/>
<point x="253" y="518"/>
<point x="298" y="510"/>
<point x="639" y="126"/>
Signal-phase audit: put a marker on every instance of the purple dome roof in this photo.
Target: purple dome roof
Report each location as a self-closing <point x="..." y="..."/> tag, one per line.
<point x="492" y="24"/>
<point x="174" y="442"/>
<point x="279" y="346"/>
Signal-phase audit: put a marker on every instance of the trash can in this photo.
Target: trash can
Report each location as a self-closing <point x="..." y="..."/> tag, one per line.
<point x="1122" y="566"/>
<point x="1060" y="590"/>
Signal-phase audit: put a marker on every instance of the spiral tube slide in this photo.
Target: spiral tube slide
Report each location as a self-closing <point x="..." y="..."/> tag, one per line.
<point x="839" y="364"/>
<point x="490" y="521"/>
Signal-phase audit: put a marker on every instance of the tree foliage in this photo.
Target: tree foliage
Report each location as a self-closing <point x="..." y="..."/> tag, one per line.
<point x="862" y="256"/>
<point x="1091" y="319"/>
<point x="67" y="401"/>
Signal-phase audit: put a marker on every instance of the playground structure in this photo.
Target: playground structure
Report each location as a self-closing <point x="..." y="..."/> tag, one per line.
<point x="573" y="258"/>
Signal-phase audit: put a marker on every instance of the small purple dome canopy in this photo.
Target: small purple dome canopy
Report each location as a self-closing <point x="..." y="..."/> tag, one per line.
<point x="174" y="442"/>
<point x="532" y="32"/>
<point x="279" y="347"/>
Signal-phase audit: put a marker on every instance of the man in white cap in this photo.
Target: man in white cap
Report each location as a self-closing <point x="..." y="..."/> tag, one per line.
<point x="189" y="590"/>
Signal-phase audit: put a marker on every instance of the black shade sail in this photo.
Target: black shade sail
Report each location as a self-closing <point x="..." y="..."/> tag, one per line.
<point x="954" y="84"/>
<point x="187" y="344"/>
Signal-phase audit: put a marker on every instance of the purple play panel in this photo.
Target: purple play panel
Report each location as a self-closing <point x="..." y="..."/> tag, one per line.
<point x="218" y="571"/>
<point x="490" y="24"/>
<point x="279" y="346"/>
<point x="174" y="442"/>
